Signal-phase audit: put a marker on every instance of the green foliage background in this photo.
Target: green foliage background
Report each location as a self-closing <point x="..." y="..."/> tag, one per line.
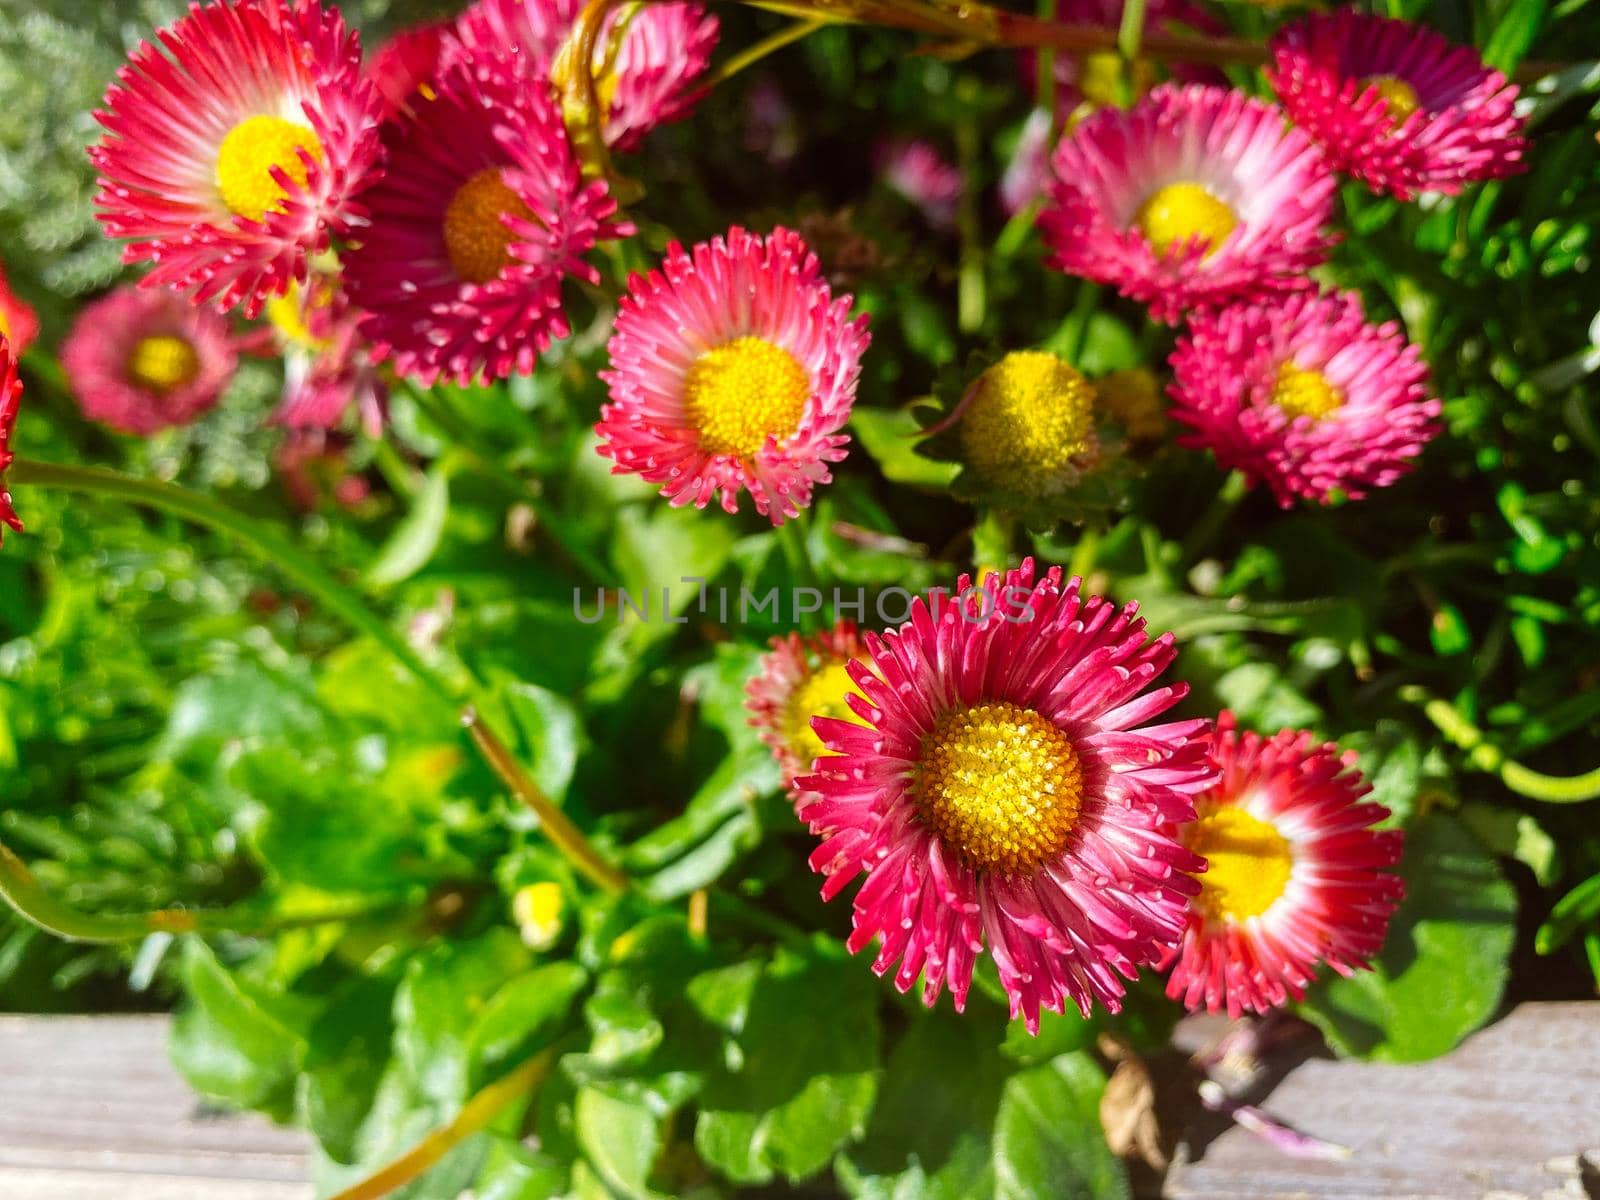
<point x="178" y="727"/>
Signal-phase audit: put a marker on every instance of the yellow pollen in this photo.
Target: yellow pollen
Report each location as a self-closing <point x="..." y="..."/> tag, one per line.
<point x="1183" y="212"/>
<point x="1133" y="399"/>
<point x="162" y="362"/>
<point x="5" y="325"/>
<point x="476" y="240"/>
<point x="1302" y="393"/>
<point x="1248" y="863"/>
<point x="287" y="314"/>
<point x="252" y="148"/>
<point x="1029" y="423"/>
<point x="742" y="393"/>
<point x="1399" y="97"/>
<point x="820" y="694"/>
<point x="1000" y="785"/>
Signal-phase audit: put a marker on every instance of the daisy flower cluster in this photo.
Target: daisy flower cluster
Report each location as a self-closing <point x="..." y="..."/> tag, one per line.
<point x="416" y="213"/>
<point x="1215" y="210"/>
<point x="995" y="775"/>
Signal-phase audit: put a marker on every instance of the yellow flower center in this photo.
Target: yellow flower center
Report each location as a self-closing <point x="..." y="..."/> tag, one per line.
<point x="1248" y="863"/>
<point x="820" y="694"/>
<point x="1133" y="398"/>
<point x="537" y="909"/>
<point x="1000" y="785"/>
<point x="476" y="240"/>
<point x="163" y="362"/>
<point x="1399" y="97"/>
<point x="251" y="150"/>
<point x="1029" y="421"/>
<point x="1183" y="212"/>
<point x="1302" y="393"/>
<point x="740" y="394"/>
<point x="287" y="314"/>
<point x="5" y="325"/>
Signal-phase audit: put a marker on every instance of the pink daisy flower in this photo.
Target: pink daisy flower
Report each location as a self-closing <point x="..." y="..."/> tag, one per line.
<point x="1396" y="105"/>
<point x="1194" y="197"/>
<point x="733" y="368"/>
<point x="1304" y="394"/>
<point x="914" y="169"/>
<point x="18" y="323"/>
<point x="142" y="361"/>
<point x="405" y="65"/>
<point x="797" y="679"/>
<point x="1028" y="169"/>
<point x="1295" y="874"/>
<point x="481" y="214"/>
<point x="10" y="402"/>
<point x="234" y="154"/>
<point x="647" y="58"/>
<point x="1001" y="789"/>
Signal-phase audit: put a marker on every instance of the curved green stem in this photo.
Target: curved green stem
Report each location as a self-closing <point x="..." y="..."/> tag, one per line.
<point x="1215" y="516"/>
<point x="748" y="57"/>
<point x="475" y="1115"/>
<point x="265" y="541"/>
<point x="32" y="903"/>
<point x="1131" y="31"/>
<point x="558" y="827"/>
<point x="1551" y="789"/>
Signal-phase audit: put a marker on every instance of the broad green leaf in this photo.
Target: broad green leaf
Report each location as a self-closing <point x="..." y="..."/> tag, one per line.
<point x="440" y="1004"/>
<point x="522" y="1016"/>
<point x="233" y="1042"/>
<point x="552" y="732"/>
<point x="619" y="1138"/>
<point x="1444" y="963"/>
<point x="795" y="1088"/>
<point x="890" y="436"/>
<point x="1047" y="1137"/>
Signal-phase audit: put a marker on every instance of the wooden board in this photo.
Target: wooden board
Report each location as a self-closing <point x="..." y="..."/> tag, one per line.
<point x="90" y="1109"/>
<point x="1509" y="1115"/>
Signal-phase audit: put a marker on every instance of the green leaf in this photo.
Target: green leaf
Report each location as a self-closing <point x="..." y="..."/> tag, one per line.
<point x="1519" y="26"/>
<point x="416" y="537"/>
<point x="513" y="1171"/>
<point x="1265" y="700"/>
<point x="890" y="437"/>
<point x="347" y="1050"/>
<point x="553" y="736"/>
<point x="1047" y="1136"/>
<point x="935" y="1113"/>
<point x="522" y="1016"/>
<point x="620" y="1138"/>
<point x="1444" y="963"/>
<point x="437" y="1010"/>
<point x="795" y="1088"/>
<point x="233" y="1042"/>
<point x="1577" y="909"/>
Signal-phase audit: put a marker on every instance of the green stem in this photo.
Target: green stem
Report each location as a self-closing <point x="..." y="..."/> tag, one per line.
<point x="475" y="1115"/>
<point x="1216" y="515"/>
<point x="767" y="45"/>
<point x="1084" y="554"/>
<point x="486" y="461"/>
<point x="22" y="892"/>
<point x="1551" y="789"/>
<point x="558" y="827"/>
<point x="1076" y="325"/>
<point x="971" y="286"/>
<point x="1131" y="32"/>
<point x="265" y="541"/>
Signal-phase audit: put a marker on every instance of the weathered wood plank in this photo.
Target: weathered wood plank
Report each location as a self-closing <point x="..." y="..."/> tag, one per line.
<point x="1507" y="1116"/>
<point x="90" y="1109"/>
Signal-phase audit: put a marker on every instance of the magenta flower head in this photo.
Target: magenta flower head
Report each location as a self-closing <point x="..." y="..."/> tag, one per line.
<point x="733" y="369"/>
<point x="1295" y="874"/>
<point x="482" y="212"/>
<point x="801" y="677"/>
<point x="1304" y="394"/>
<point x="914" y="168"/>
<point x="648" y="58"/>
<point x="1396" y="105"/>
<point x="1195" y="197"/>
<point x="143" y="361"/>
<point x="1000" y="788"/>
<point x="10" y="403"/>
<point x="235" y="148"/>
